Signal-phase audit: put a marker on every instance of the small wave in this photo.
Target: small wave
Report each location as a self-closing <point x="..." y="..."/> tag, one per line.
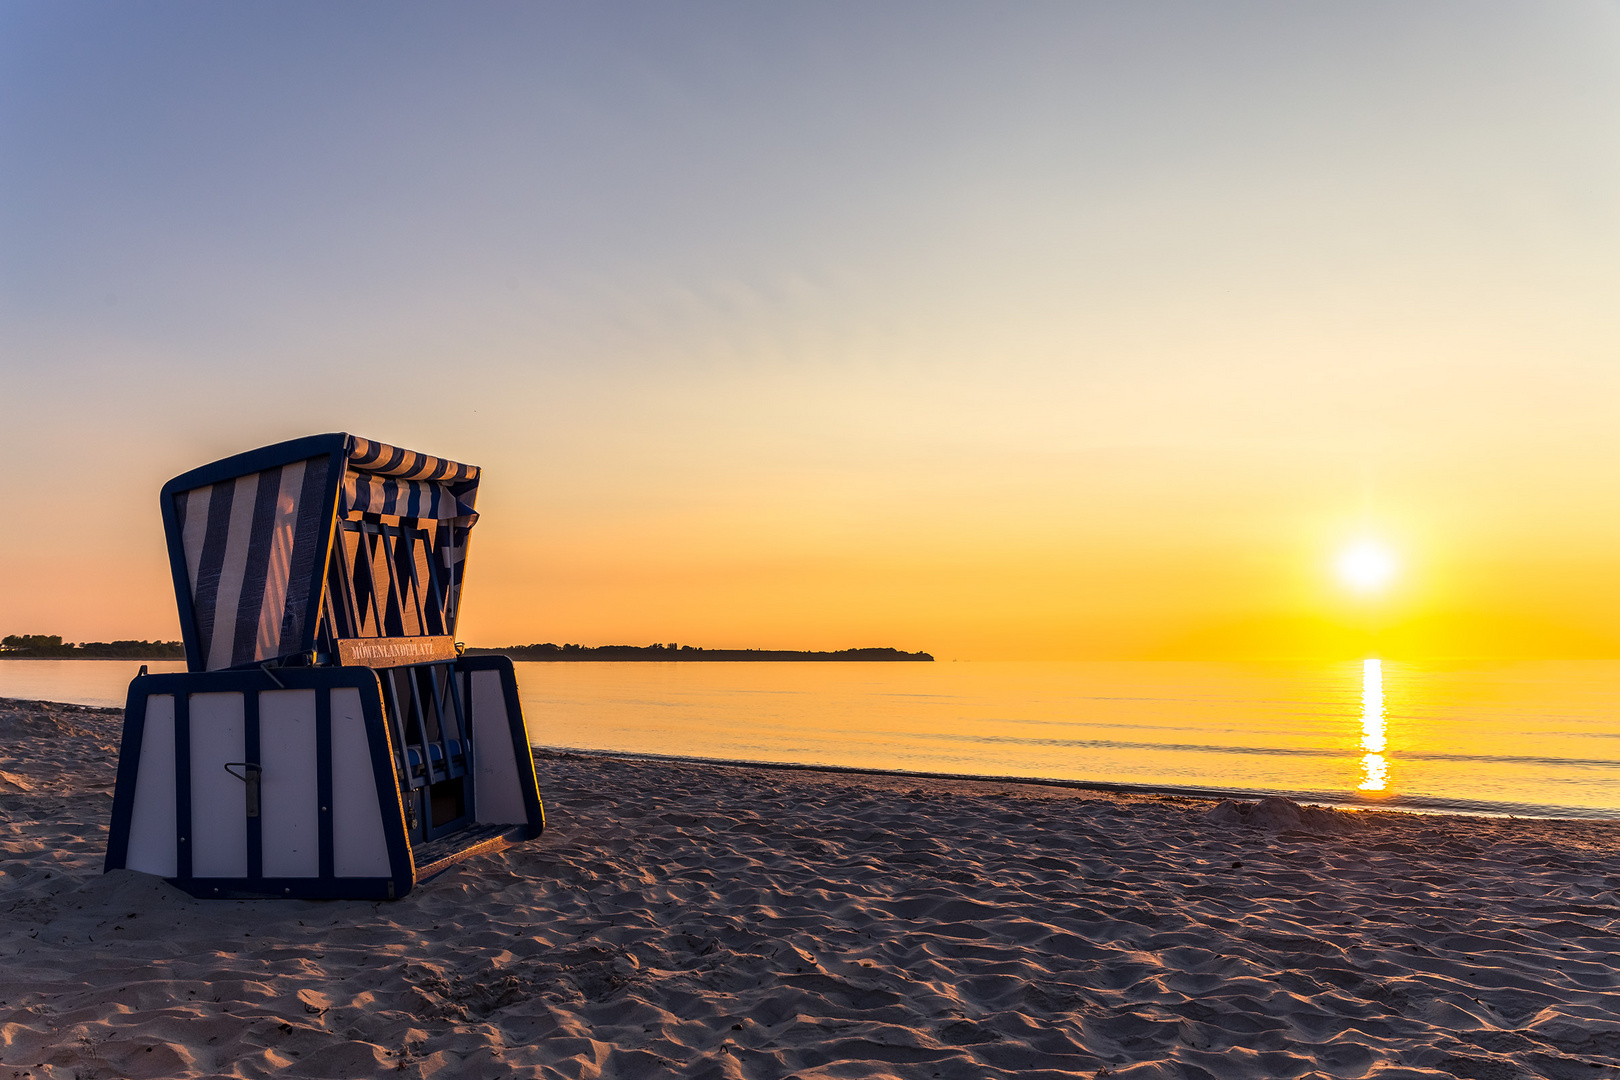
<point x="1264" y="751"/>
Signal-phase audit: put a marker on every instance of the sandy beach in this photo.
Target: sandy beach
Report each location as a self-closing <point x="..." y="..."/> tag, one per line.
<point x="701" y="920"/>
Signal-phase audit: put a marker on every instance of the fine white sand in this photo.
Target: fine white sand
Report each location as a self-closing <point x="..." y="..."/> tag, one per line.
<point x="699" y="920"/>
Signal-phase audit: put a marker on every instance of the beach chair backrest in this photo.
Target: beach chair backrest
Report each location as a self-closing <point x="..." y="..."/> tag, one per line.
<point x="318" y="546"/>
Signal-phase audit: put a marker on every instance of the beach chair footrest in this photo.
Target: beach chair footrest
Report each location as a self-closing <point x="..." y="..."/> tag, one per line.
<point x="438" y="855"/>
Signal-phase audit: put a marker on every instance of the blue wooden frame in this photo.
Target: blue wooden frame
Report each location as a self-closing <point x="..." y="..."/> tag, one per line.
<point x="402" y="871"/>
<point x="405" y="872"/>
<point x="334" y="444"/>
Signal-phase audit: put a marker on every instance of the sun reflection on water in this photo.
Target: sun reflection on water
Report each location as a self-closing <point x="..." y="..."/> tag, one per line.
<point x="1374" y="766"/>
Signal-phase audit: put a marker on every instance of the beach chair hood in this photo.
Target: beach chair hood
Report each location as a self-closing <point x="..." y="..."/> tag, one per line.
<point x="285" y="550"/>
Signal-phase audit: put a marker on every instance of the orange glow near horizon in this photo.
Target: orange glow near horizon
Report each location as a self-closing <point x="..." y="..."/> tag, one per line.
<point x="903" y="575"/>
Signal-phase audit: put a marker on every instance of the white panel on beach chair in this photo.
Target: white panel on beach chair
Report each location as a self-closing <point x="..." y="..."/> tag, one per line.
<point x="152" y="818"/>
<point x="497" y="793"/>
<point x="289" y="798"/>
<point x="359" y="848"/>
<point x="218" y="799"/>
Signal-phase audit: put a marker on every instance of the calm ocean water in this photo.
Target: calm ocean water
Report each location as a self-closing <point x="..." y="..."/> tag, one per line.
<point x="1529" y="738"/>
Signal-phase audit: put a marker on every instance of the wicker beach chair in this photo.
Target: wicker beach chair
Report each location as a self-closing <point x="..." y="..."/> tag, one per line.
<point x="327" y="738"/>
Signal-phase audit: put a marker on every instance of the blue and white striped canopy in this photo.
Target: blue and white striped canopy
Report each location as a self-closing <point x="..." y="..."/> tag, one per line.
<point x="251" y="542"/>
<point x="384" y="460"/>
<point x="367" y="493"/>
<point x="383" y="479"/>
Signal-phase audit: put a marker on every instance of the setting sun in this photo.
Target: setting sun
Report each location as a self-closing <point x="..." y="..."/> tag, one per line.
<point x="1366" y="566"/>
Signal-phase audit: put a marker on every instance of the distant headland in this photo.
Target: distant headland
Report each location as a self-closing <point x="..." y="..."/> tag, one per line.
<point x="666" y="653"/>
<point x="52" y="647"/>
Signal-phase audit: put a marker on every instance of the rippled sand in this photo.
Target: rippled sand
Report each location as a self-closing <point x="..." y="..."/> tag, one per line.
<point x="698" y="920"/>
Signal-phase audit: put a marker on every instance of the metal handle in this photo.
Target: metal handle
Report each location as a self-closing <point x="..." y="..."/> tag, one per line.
<point x="249" y="776"/>
<point x="268" y="667"/>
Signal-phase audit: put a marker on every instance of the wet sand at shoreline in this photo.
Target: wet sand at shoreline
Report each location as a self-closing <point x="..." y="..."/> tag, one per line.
<point x="694" y="919"/>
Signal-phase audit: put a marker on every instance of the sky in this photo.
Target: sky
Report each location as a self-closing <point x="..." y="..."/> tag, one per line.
<point x="1037" y="331"/>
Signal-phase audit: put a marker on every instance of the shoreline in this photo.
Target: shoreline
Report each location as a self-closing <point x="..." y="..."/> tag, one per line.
<point x="1394" y="804"/>
<point x="690" y="919"/>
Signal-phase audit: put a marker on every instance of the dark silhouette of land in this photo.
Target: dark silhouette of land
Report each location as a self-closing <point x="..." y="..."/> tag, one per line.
<point x="52" y="647"/>
<point x="666" y="653"/>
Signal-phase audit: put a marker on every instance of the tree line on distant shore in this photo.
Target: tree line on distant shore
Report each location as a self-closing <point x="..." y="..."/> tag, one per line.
<point x="669" y="652"/>
<point x="52" y="647"/>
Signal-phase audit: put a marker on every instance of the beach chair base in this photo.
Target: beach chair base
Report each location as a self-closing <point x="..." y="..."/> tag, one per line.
<point x="293" y="783"/>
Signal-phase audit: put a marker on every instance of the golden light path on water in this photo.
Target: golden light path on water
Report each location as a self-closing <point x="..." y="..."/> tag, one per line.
<point x="1374" y="736"/>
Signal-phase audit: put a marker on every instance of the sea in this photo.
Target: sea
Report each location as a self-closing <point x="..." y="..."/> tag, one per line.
<point x="1535" y="739"/>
